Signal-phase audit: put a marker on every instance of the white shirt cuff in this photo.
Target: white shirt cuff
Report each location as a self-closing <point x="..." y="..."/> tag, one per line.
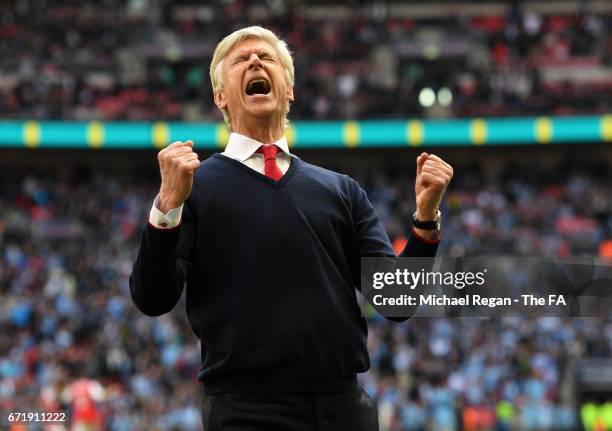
<point x="165" y="221"/>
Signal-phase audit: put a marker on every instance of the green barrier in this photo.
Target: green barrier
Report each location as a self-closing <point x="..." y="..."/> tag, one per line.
<point x="315" y="134"/>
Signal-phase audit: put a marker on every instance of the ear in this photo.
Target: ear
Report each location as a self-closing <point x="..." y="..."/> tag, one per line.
<point x="220" y="99"/>
<point x="290" y="94"/>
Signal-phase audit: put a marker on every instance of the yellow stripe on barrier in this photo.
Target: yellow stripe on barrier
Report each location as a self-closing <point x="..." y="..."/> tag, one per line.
<point x="290" y="135"/>
<point x="31" y="134"/>
<point x="161" y="134"/>
<point x="606" y="128"/>
<point x="351" y="134"/>
<point x="95" y="134"/>
<point x="221" y="135"/>
<point x="415" y="133"/>
<point x="543" y="130"/>
<point x="479" y="131"/>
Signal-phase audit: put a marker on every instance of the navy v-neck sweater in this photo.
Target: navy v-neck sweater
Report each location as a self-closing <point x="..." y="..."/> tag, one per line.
<point x="270" y="271"/>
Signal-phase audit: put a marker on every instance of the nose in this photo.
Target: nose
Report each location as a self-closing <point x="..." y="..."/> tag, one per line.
<point x="254" y="61"/>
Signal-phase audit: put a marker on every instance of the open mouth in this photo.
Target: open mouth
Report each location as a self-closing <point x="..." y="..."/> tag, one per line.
<point x="257" y="86"/>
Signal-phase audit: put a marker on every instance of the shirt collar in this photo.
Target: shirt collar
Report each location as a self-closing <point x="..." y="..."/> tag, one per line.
<point x="242" y="147"/>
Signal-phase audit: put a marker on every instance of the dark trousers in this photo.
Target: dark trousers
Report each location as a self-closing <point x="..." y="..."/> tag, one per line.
<point x="345" y="411"/>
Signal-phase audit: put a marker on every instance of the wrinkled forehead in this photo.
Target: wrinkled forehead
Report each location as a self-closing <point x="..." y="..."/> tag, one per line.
<point x="250" y="45"/>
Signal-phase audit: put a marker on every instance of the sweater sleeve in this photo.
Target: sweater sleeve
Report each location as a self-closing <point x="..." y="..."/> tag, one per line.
<point x="369" y="236"/>
<point x="371" y="240"/>
<point x="419" y="247"/>
<point x="162" y="265"/>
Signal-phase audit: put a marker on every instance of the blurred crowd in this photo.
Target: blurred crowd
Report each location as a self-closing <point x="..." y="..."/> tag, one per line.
<point x="523" y="209"/>
<point x="72" y="340"/>
<point x="148" y="60"/>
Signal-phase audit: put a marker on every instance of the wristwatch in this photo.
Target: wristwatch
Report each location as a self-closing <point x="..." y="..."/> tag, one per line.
<point x="428" y="225"/>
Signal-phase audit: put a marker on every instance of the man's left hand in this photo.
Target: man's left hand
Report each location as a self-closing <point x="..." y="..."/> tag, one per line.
<point x="432" y="178"/>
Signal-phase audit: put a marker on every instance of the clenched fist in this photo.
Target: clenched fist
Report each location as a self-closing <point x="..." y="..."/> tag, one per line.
<point x="432" y="178"/>
<point x="177" y="165"/>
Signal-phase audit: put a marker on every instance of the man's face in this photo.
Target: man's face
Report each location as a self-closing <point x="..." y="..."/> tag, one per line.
<point x="254" y="83"/>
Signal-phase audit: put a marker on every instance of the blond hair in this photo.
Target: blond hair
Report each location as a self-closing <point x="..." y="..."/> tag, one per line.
<point x="228" y="43"/>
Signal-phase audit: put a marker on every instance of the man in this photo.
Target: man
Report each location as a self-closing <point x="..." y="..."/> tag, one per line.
<point x="269" y="247"/>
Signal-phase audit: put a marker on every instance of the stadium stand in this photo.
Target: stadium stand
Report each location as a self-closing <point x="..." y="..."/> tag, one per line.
<point x="128" y="60"/>
<point x="67" y="253"/>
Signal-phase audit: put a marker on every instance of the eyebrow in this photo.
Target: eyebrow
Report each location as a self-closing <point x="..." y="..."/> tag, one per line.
<point x="259" y="52"/>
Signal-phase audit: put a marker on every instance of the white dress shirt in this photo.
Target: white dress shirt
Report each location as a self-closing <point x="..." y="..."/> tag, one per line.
<point x="241" y="148"/>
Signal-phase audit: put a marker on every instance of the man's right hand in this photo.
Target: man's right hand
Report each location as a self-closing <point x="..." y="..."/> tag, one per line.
<point x="177" y="165"/>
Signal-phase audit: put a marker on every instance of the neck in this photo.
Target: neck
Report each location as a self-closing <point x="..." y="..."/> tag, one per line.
<point x="261" y="130"/>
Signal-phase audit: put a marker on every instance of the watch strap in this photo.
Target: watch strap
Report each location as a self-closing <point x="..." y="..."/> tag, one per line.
<point x="427" y="225"/>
